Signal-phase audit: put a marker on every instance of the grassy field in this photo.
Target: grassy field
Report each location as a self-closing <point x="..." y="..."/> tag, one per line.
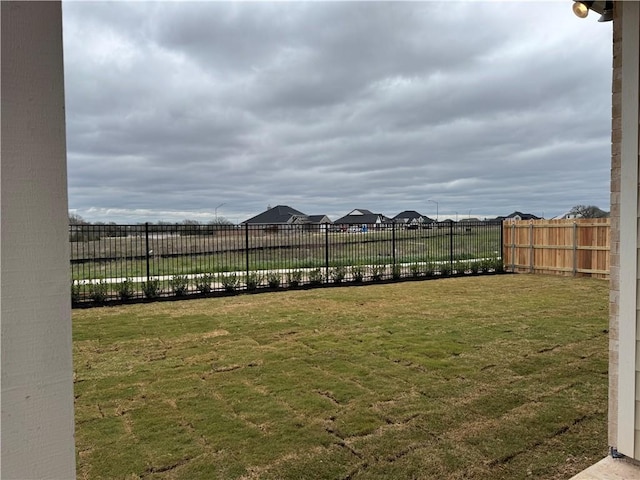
<point x="491" y="377"/>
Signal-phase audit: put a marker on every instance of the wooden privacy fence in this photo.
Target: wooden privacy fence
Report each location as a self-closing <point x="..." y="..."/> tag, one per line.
<point x="578" y="247"/>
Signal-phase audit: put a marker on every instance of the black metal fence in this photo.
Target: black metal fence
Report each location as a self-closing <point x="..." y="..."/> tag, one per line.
<point x="122" y="262"/>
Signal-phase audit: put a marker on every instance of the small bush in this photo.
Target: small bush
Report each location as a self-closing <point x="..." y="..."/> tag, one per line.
<point x="179" y="285"/>
<point x="357" y="273"/>
<point x="316" y="277"/>
<point x="253" y="280"/>
<point x="75" y="292"/>
<point x="229" y="282"/>
<point x="462" y="267"/>
<point x="338" y="274"/>
<point x="151" y="288"/>
<point x="498" y="265"/>
<point x="99" y="291"/>
<point x="126" y="289"/>
<point x="445" y="269"/>
<point x="473" y="267"/>
<point x="377" y="271"/>
<point x="203" y="283"/>
<point x="429" y="270"/>
<point x="273" y="279"/>
<point x="485" y="265"/>
<point x="415" y="270"/>
<point x="294" y="278"/>
<point x="396" y="272"/>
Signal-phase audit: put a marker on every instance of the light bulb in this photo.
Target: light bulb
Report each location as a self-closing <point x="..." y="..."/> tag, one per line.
<point x="580" y="9"/>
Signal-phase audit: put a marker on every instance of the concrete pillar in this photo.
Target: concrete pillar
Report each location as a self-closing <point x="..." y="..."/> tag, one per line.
<point x="35" y="316"/>
<point x="624" y="370"/>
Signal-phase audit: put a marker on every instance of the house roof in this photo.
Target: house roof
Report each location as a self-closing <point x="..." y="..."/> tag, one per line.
<point x="522" y="216"/>
<point x="409" y="215"/>
<point x="319" y="219"/>
<point x="361" y="216"/>
<point x="281" y="214"/>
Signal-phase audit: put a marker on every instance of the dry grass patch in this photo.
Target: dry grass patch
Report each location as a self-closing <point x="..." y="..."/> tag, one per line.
<point x="496" y="377"/>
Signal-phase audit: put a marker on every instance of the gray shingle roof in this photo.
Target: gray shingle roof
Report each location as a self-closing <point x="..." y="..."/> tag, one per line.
<point x="280" y="214"/>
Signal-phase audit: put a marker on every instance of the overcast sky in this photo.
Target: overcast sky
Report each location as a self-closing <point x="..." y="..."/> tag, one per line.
<point x="176" y="108"/>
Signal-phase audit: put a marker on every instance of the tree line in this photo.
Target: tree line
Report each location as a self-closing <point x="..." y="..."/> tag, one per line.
<point x="80" y="230"/>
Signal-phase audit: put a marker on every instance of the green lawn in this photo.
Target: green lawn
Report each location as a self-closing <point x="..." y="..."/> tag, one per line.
<point x="489" y="377"/>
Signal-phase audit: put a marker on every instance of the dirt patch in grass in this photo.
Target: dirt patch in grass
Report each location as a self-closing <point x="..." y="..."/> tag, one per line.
<point x="486" y="377"/>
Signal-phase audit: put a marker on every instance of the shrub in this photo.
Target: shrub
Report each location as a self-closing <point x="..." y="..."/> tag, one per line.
<point x="316" y="277"/>
<point x="75" y="292"/>
<point x="462" y="267"/>
<point x="396" y="272"/>
<point x="445" y="269"/>
<point x="429" y="269"/>
<point x="203" y="283"/>
<point x="229" y="282"/>
<point x="485" y="265"/>
<point x="99" y="291"/>
<point x="253" y="280"/>
<point x="357" y="273"/>
<point x="151" y="288"/>
<point x="415" y="270"/>
<point x="273" y="279"/>
<point x="473" y="267"/>
<point x="338" y="274"/>
<point x="294" y="278"/>
<point x="498" y="265"/>
<point x="376" y="272"/>
<point x="126" y="289"/>
<point x="179" y="285"/>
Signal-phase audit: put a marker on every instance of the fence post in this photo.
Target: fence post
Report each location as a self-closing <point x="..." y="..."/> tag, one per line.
<point x="393" y="243"/>
<point x="146" y="243"/>
<point x="451" y="245"/>
<point x="513" y="247"/>
<point x="531" y="253"/>
<point x="246" y="247"/>
<point x="575" y="248"/>
<point x="502" y="255"/>
<point x="326" y="253"/>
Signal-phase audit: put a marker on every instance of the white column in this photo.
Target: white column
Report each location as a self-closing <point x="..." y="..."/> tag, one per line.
<point x="629" y="239"/>
<point x="35" y="316"/>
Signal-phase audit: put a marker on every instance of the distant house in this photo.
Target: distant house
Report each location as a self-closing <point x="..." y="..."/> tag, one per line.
<point x="362" y="217"/>
<point x="519" y="216"/>
<point x="412" y="219"/>
<point x="284" y="215"/>
<point x="279" y="215"/>
<point x="319" y="220"/>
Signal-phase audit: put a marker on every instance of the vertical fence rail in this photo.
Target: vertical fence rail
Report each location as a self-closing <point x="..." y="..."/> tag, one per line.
<point x="246" y="248"/>
<point x="326" y="253"/>
<point x="575" y="248"/>
<point x="531" y="248"/>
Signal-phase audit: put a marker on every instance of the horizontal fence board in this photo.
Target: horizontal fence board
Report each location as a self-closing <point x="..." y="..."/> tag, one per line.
<point x="578" y="247"/>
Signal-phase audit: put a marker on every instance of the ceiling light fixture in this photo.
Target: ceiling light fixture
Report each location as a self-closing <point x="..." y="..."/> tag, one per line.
<point x="607" y="14"/>
<point x="581" y="9"/>
<point x="603" y="7"/>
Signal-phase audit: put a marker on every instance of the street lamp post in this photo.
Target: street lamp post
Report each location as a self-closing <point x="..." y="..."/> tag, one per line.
<point x="216" y="211"/>
<point x="437" y="218"/>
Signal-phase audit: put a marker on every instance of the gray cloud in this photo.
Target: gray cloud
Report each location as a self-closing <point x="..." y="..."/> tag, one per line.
<point x="175" y="108"/>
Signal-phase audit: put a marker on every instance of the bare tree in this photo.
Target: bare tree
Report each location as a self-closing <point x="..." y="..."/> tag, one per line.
<point x="75" y="219"/>
<point x="588" y="211"/>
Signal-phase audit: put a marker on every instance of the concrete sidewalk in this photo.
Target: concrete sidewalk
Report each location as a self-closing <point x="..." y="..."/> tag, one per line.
<point x="610" y="468"/>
